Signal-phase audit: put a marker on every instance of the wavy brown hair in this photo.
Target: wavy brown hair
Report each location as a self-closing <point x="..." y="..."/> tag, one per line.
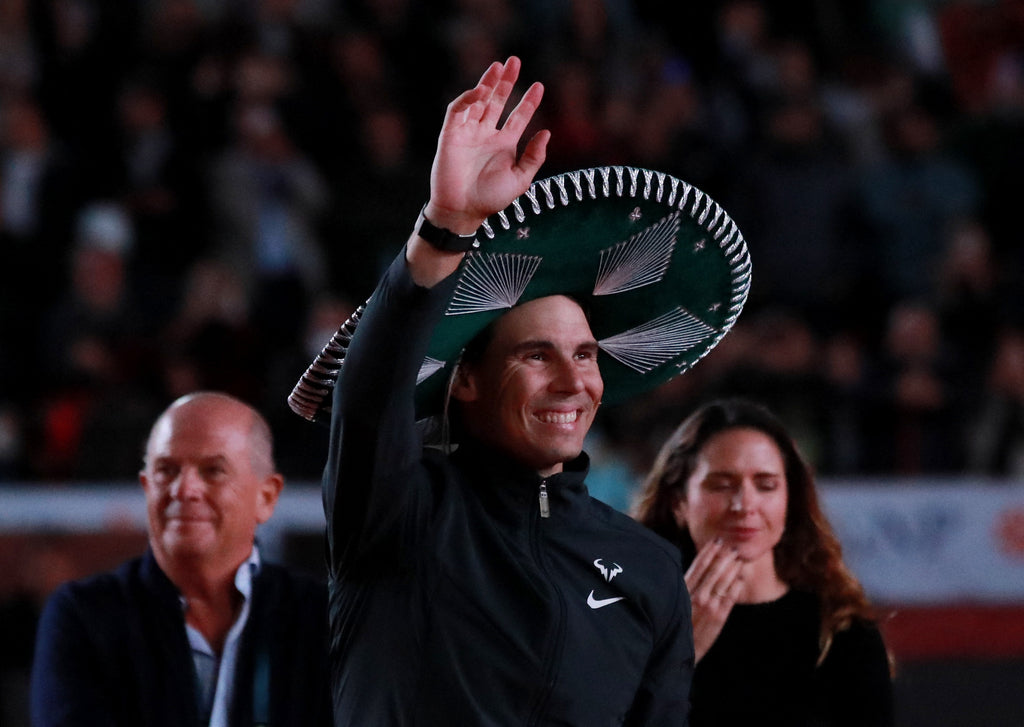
<point x="808" y="556"/>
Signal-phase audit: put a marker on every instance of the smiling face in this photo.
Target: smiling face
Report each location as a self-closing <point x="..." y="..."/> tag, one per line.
<point x="208" y="480"/>
<point x="536" y="388"/>
<point x="737" y="492"/>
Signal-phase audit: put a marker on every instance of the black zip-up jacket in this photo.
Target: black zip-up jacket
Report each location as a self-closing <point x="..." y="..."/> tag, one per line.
<point x="452" y="602"/>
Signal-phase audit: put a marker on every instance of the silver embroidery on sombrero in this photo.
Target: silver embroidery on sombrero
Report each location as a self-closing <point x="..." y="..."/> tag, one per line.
<point x="492" y="282"/>
<point x="428" y="368"/>
<point x="740" y="266"/>
<point x="653" y="343"/>
<point x="641" y="260"/>
<point x="599" y="182"/>
<point x="563" y="194"/>
<point x="312" y="395"/>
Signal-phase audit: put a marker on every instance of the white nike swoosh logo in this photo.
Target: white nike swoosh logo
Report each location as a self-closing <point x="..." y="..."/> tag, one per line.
<point x="601" y="602"/>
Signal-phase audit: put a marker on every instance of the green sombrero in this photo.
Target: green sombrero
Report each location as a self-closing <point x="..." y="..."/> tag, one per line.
<point x="663" y="268"/>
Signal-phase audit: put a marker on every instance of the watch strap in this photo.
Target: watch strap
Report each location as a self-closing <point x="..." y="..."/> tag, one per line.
<point x="443" y="239"/>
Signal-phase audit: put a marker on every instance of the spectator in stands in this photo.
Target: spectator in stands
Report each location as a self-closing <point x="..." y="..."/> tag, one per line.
<point x="99" y="301"/>
<point x="915" y="412"/>
<point x="845" y="370"/>
<point x="990" y="139"/>
<point x="199" y="630"/>
<point x="84" y="50"/>
<point x="783" y="632"/>
<point x="159" y="181"/>
<point x="12" y="446"/>
<point x="92" y="348"/>
<point x="36" y="209"/>
<point x="799" y="193"/>
<point x="212" y="341"/>
<point x="971" y="296"/>
<point x="268" y="199"/>
<point x="783" y="370"/>
<point x="911" y="198"/>
<point x="90" y="89"/>
<point x="379" y="196"/>
<point x="996" y="442"/>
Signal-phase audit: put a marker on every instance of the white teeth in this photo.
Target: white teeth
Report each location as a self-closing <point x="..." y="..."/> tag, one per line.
<point x="557" y="417"/>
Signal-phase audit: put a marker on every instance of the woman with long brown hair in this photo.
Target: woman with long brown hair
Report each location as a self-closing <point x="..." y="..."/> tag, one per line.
<point x="783" y="631"/>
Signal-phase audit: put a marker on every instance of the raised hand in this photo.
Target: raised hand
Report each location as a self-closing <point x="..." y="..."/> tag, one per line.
<point x="476" y="171"/>
<point x="715" y="581"/>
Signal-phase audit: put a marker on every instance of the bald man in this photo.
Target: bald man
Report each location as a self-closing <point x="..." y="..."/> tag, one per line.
<point x="199" y="630"/>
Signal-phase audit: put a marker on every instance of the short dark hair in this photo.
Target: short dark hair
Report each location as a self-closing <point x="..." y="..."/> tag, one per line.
<point x="477" y="347"/>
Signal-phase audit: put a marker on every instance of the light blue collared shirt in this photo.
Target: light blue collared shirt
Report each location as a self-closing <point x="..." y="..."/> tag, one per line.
<point x="217" y="675"/>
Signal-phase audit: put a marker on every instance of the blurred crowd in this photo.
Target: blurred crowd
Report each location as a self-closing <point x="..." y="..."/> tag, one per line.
<point x="195" y="193"/>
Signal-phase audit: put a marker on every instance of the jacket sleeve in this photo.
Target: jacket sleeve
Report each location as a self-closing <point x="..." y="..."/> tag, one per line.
<point x="375" y="482"/>
<point x="663" y="698"/>
<point x="67" y="685"/>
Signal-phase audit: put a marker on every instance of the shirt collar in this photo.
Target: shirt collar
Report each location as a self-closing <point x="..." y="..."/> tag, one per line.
<point x="243" y="576"/>
<point x="246" y="571"/>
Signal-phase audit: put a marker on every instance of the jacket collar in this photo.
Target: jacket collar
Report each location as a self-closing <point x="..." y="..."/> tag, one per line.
<point x="154" y="576"/>
<point x="158" y="581"/>
<point x="512" y="485"/>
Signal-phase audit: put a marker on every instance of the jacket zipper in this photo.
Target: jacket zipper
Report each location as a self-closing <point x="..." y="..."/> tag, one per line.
<point x="553" y="658"/>
<point x="542" y="499"/>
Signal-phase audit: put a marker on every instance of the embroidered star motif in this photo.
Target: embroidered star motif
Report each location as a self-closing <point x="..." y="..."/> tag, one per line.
<point x="699" y="245"/>
<point x="714" y="307"/>
<point x="522" y="233"/>
<point x="635" y="214"/>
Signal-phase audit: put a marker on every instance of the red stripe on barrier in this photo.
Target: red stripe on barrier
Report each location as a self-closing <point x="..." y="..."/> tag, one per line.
<point x="955" y="631"/>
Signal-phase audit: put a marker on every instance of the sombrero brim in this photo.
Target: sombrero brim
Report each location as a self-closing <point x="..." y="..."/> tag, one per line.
<point x="663" y="268"/>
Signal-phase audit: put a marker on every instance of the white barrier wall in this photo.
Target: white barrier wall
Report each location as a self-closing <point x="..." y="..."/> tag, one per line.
<point x="932" y="542"/>
<point x="921" y="542"/>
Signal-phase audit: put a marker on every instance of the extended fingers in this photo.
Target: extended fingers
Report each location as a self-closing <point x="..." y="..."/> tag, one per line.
<point x="698" y="569"/>
<point x="502" y="83"/>
<point x="727" y="583"/>
<point x="522" y="114"/>
<point x="735" y="587"/>
<point x="474" y="102"/>
<point x="719" y="570"/>
<point x="493" y="74"/>
<point x="469" y="104"/>
<point x="485" y="103"/>
<point x="535" y="153"/>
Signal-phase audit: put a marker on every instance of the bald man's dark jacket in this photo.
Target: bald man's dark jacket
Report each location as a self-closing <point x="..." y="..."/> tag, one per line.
<point x="111" y="650"/>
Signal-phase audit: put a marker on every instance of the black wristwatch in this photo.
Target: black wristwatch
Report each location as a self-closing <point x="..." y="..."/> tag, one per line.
<point x="443" y="239"/>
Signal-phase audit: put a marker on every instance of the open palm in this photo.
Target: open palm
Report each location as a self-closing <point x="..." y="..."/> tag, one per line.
<point x="476" y="171"/>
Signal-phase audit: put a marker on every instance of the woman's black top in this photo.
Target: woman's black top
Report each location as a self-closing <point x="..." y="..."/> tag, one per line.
<point x="762" y="671"/>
